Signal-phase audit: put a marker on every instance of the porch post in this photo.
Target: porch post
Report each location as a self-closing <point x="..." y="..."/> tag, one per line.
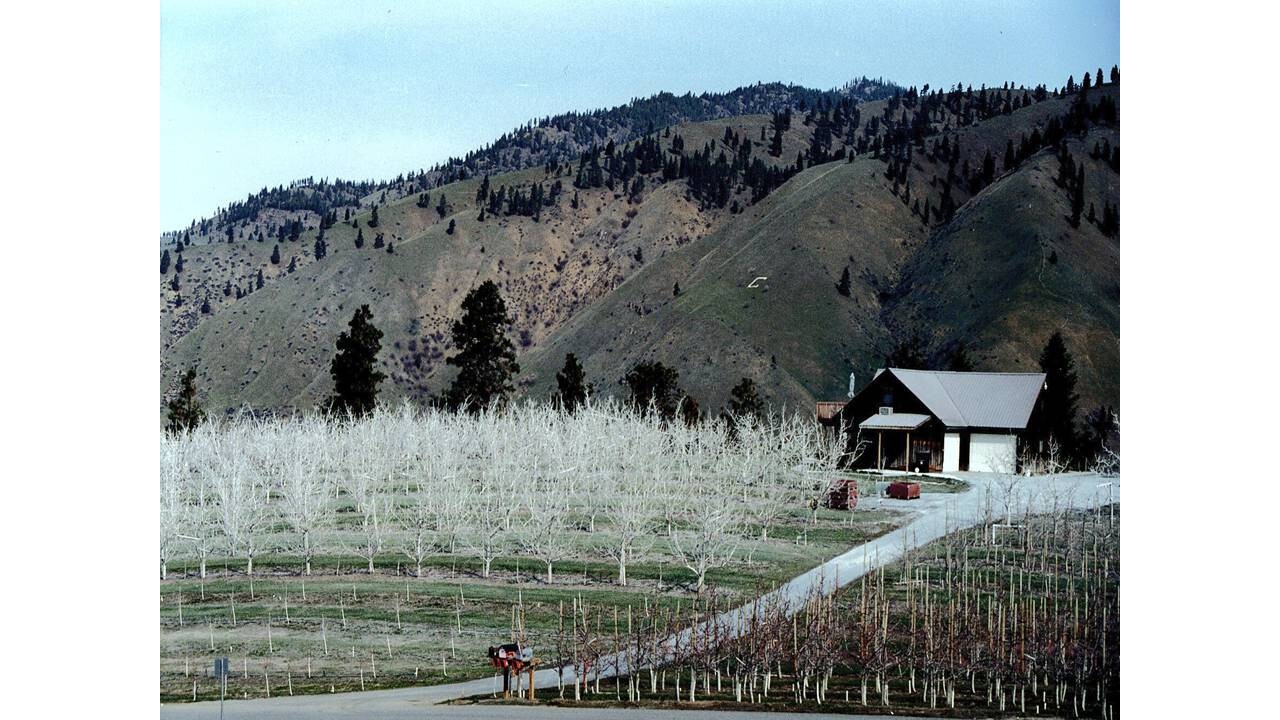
<point x="907" y="463"/>
<point x="879" y="455"/>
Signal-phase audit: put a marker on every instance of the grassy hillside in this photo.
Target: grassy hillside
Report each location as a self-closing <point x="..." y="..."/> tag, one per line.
<point x="1000" y="270"/>
<point x="1009" y="270"/>
<point x="793" y="333"/>
<point x="270" y="348"/>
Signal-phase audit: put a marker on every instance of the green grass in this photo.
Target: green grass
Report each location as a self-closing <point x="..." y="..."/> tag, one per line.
<point x="451" y="612"/>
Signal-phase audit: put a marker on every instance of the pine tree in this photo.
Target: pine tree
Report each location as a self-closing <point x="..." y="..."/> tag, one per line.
<point x="321" y="249"/>
<point x="174" y="285"/>
<point x="373" y="219"/>
<point x="391" y="248"/>
<point x="359" y="239"/>
<point x="205" y="308"/>
<point x="486" y="358"/>
<point x="744" y="400"/>
<point x="354" y="367"/>
<point x="177" y="268"/>
<point x="1100" y="433"/>
<point x="293" y="263"/>
<point x="226" y="289"/>
<point x="908" y="355"/>
<point x="572" y="388"/>
<point x="452" y="226"/>
<point x="690" y="411"/>
<point x="275" y="255"/>
<point x="775" y="144"/>
<point x="1077" y="198"/>
<point x="675" y="291"/>
<point x="260" y="282"/>
<point x="164" y="262"/>
<point x="654" y="383"/>
<point x="959" y="360"/>
<point x="185" y="413"/>
<point x="844" y="286"/>
<point x="1058" y="401"/>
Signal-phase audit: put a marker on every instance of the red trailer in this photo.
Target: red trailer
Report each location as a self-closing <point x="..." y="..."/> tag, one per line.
<point x="904" y="490"/>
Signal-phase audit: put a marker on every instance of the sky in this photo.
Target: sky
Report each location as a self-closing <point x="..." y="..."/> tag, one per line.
<point x="260" y="93"/>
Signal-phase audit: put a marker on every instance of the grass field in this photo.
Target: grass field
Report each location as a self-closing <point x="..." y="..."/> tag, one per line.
<point x="343" y="629"/>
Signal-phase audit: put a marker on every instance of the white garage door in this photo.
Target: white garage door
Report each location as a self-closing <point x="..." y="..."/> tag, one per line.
<point x="992" y="453"/>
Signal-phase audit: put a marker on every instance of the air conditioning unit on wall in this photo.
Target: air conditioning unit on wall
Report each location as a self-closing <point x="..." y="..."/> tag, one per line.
<point x="886" y="410"/>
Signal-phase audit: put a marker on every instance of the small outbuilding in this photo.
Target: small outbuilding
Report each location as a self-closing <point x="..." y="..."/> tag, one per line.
<point x="940" y="421"/>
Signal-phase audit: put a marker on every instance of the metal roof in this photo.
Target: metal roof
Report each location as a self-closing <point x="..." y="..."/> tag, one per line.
<point x="975" y="399"/>
<point x="894" y="421"/>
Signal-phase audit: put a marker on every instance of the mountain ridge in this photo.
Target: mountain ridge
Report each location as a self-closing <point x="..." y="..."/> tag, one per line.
<point x="592" y="269"/>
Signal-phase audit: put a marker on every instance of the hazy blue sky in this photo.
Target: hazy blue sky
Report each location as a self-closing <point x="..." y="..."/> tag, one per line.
<point x="255" y="94"/>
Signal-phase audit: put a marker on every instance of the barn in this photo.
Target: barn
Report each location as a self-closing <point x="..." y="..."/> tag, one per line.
<point x="939" y="421"/>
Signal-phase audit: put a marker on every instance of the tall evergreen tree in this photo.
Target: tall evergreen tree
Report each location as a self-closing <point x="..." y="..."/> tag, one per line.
<point x="354" y="367"/>
<point x="572" y="387"/>
<point x="164" y="262"/>
<point x="178" y="266"/>
<point x="373" y="219"/>
<point x="744" y="400"/>
<point x="259" y="282"/>
<point x="486" y="358"/>
<point x="844" y="286"/>
<point x="1058" y="408"/>
<point x="1077" y="197"/>
<point x="654" y="383"/>
<point x="185" y="412"/>
<point x="908" y="355"/>
<point x="959" y="360"/>
<point x="359" y="239"/>
<point x="275" y="255"/>
<point x="690" y="411"/>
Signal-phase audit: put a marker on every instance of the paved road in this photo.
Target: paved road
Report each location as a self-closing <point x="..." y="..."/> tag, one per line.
<point x="935" y="515"/>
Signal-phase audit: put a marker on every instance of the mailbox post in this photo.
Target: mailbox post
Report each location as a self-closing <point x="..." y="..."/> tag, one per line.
<point x="222" y="668"/>
<point x="513" y="657"/>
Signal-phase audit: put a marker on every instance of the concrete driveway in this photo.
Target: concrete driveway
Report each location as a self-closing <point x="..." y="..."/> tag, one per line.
<point x="989" y="497"/>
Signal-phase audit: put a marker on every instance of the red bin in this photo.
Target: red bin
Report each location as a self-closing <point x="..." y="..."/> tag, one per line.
<point x="904" y="490"/>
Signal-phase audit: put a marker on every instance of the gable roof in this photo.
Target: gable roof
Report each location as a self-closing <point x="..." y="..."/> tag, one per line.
<point x="975" y="399"/>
